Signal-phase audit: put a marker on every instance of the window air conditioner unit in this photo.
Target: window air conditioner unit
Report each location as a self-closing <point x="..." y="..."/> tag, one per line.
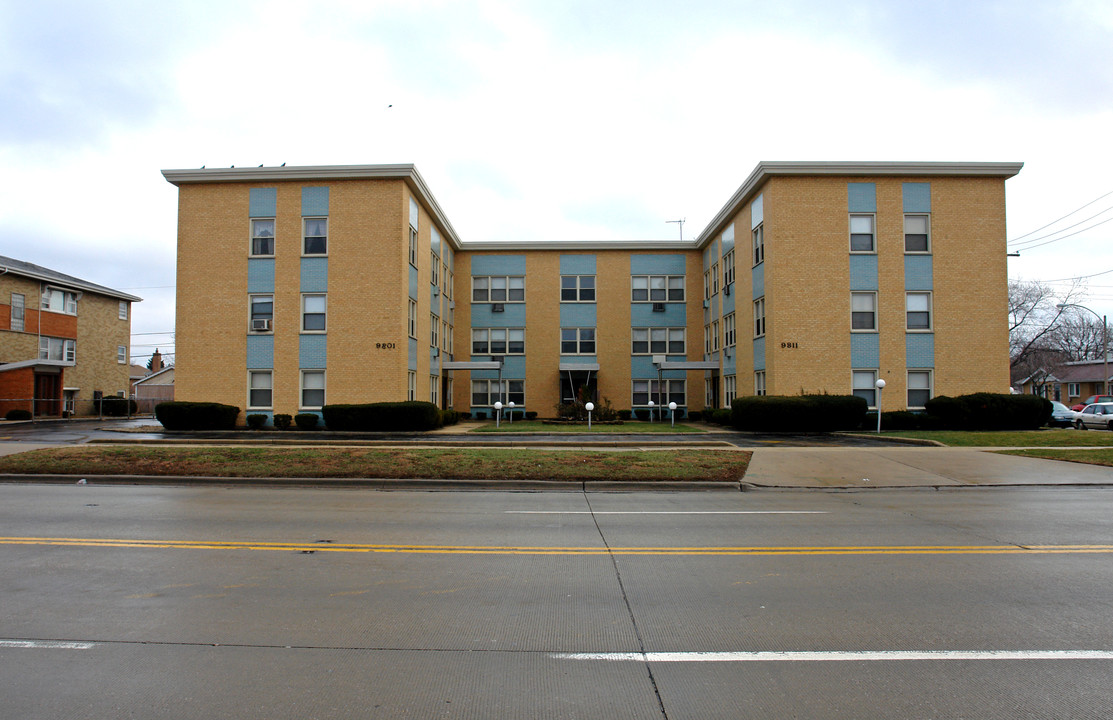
<point x="497" y="307"/>
<point x="436" y="290"/>
<point x="658" y="307"/>
<point x="260" y="325"/>
<point x="726" y="289"/>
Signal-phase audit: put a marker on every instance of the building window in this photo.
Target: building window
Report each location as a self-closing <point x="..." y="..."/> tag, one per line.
<point x="1073" y="390"/>
<point x="122" y="312"/>
<point x="312" y="389"/>
<point x="434" y="330"/>
<point x="658" y="341"/>
<point x="262" y="313"/>
<point x="577" y="341"/>
<point x="446" y="335"/>
<point x="262" y="237"/>
<point x="861" y="234"/>
<point x="498" y="341"/>
<point x="485" y="393"/>
<point x="451" y="284"/>
<point x="714" y="336"/>
<point x="18" y="312"/>
<point x="313" y="313"/>
<point x="412" y="317"/>
<point x="714" y="278"/>
<point x="51" y="348"/>
<point x="707" y="339"/>
<point x="498" y="289"/>
<point x="728" y="331"/>
<point x="759" y="244"/>
<point x="730" y="389"/>
<point x="435" y="389"/>
<point x="411" y="385"/>
<point x="916" y="236"/>
<point x="449" y="340"/>
<point x="707" y="285"/>
<point x="657" y="288"/>
<point x="863" y="312"/>
<point x="434" y="269"/>
<point x="708" y="392"/>
<point x="577" y="288"/>
<point x="660" y="392"/>
<point x="759" y="317"/>
<point x="413" y="246"/>
<point x="863" y="386"/>
<point x="259" y="384"/>
<point x="316" y="236"/>
<point x="918" y="310"/>
<point x="728" y="268"/>
<point x="60" y="301"/>
<point x="122" y="354"/>
<point x="759" y="382"/>
<point x="919" y="388"/>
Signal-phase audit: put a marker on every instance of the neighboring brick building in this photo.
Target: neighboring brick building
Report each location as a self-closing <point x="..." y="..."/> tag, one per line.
<point x="299" y="286"/>
<point x="63" y="340"/>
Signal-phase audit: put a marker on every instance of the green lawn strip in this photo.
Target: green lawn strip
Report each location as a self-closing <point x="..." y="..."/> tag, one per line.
<point x="1090" y="457"/>
<point x="456" y="463"/>
<point x="629" y="427"/>
<point x="1010" y="438"/>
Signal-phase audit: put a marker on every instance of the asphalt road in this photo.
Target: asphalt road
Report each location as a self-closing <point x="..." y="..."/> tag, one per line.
<point x="298" y="603"/>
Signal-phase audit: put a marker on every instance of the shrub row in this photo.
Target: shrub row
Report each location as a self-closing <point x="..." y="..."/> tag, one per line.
<point x="179" y="415"/>
<point x="988" y="411"/>
<point x="372" y="417"/>
<point x="803" y="413"/>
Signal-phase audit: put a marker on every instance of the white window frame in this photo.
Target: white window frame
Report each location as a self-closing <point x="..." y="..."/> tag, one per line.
<point x="251" y="388"/>
<point x="19" y="312"/>
<point x="759" y="317"/>
<point x="577" y="290"/>
<point x="714" y="278"/>
<point x="256" y="235"/>
<point x="434" y="269"/>
<point x="306" y="237"/>
<point x="730" y="389"/>
<point x="122" y="354"/>
<point x="930" y="387"/>
<point x="434" y="331"/>
<point x="485" y="336"/>
<point x="728" y="268"/>
<point x="707" y="339"/>
<point x="411" y="385"/>
<point x="303" y="388"/>
<point x="305" y="313"/>
<point x="714" y="336"/>
<point x="872" y="311"/>
<point x="512" y="284"/>
<point x="927" y="233"/>
<point x="579" y="342"/>
<point x="122" y="311"/>
<point x="412" y="319"/>
<point x="859" y="387"/>
<point x="251" y="316"/>
<point x="413" y="246"/>
<point x="57" y="300"/>
<point x="660" y="392"/>
<point x="62" y="349"/>
<point x="512" y="390"/>
<point x="650" y="335"/>
<point x="759" y="382"/>
<point x="729" y="332"/>
<point x="872" y="217"/>
<point x="758" y="235"/>
<point x="435" y="390"/>
<point x="1074" y="389"/>
<point x="707" y="284"/>
<point x="908" y="297"/>
<point x="667" y="288"/>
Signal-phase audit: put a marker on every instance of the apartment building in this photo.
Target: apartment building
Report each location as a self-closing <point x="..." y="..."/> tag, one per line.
<point x="300" y="286"/>
<point x="63" y="341"/>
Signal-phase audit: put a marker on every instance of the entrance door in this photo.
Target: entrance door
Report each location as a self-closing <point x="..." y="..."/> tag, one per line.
<point x="48" y="395"/>
<point x="578" y="386"/>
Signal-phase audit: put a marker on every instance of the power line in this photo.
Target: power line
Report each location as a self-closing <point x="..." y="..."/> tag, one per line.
<point x="1028" y="243"/>
<point x="1031" y="247"/>
<point x="1072" y="212"/>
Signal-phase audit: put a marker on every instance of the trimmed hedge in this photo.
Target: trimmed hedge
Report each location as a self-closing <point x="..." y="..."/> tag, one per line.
<point x="989" y="411"/>
<point x="306" y="421"/>
<point x="180" y="415"/>
<point x="18" y="414"/>
<point x="801" y="413"/>
<point x="383" y="416"/>
<point x="282" y="421"/>
<point x="256" y="421"/>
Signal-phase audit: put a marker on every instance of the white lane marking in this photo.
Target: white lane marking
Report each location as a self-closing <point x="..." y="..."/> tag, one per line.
<point x="45" y="645"/>
<point x="666" y="512"/>
<point x="851" y="656"/>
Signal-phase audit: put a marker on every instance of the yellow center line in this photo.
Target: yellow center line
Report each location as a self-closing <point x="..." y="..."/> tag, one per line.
<point x="535" y="550"/>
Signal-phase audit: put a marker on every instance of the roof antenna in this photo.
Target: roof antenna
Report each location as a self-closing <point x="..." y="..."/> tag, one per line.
<point x="681" y="224"/>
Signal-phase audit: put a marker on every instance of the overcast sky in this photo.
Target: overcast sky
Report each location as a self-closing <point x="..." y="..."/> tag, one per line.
<point x="570" y="120"/>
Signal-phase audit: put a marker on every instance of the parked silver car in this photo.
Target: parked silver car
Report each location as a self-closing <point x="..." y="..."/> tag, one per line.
<point x="1098" y="416"/>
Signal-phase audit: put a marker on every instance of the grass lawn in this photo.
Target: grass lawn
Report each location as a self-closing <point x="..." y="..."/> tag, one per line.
<point x="454" y="464"/>
<point x="630" y="426"/>
<point x="1090" y="457"/>
<point x="1011" y="438"/>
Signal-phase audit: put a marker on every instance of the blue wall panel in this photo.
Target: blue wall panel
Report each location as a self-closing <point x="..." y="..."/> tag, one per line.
<point x="577" y="315"/>
<point x="260" y="352"/>
<point x="513" y="368"/>
<point x="642" y="315"/>
<point x="513" y="315"/>
<point x="411" y="363"/>
<point x="413" y="282"/>
<point x="757" y="275"/>
<point x="642" y="368"/>
<point x="314" y="201"/>
<point x="919" y="350"/>
<point x="863" y="272"/>
<point x="263" y="202"/>
<point x="577" y="264"/>
<point x="861" y="197"/>
<point x="728" y="300"/>
<point x="312" y="352"/>
<point x="260" y="275"/>
<point x="759" y="353"/>
<point x="657" y="265"/>
<point x="917" y="272"/>
<point x="917" y="197"/>
<point x="314" y="274"/>
<point x="865" y="350"/>
<point x="498" y="265"/>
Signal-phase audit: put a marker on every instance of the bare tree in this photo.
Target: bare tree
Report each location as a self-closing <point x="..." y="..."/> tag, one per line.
<point x="1078" y="335"/>
<point x="1034" y="317"/>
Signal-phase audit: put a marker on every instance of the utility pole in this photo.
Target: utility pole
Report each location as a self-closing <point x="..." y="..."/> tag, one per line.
<point x="681" y="224"/>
